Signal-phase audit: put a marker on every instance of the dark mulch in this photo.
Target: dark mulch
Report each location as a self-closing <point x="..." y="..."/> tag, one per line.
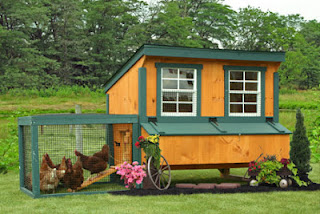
<point x="242" y="189"/>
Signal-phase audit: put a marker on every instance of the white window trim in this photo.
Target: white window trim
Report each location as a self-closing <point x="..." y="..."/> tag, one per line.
<point x="194" y="95"/>
<point x="258" y="93"/>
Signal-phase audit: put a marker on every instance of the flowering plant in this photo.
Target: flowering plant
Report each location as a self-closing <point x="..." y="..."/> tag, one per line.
<point x="150" y="146"/>
<point x="132" y="174"/>
<point x="268" y="168"/>
<point x="254" y="166"/>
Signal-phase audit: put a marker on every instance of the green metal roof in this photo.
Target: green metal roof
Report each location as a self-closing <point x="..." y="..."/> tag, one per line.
<point x="171" y="129"/>
<point x="70" y="119"/>
<point x="200" y="53"/>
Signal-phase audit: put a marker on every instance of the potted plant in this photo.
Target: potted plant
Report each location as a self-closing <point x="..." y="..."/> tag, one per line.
<point x="131" y="174"/>
<point x="270" y="171"/>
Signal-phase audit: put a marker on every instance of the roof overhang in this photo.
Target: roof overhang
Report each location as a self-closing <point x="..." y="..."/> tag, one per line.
<point x="187" y="129"/>
<point x="197" y="53"/>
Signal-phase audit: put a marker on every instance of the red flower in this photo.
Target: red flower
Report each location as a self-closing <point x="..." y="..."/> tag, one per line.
<point x="250" y="170"/>
<point x="259" y="167"/>
<point x="254" y="167"/>
<point x="141" y="138"/>
<point x="137" y="144"/>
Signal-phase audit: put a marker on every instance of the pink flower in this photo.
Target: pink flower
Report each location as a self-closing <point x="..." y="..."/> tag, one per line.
<point x="132" y="174"/>
<point x="135" y="163"/>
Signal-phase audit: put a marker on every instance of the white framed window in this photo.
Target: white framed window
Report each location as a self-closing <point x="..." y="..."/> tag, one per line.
<point x="244" y="93"/>
<point x="178" y="92"/>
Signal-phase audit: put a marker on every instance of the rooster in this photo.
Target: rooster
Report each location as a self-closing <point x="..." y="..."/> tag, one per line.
<point x="48" y="177"/>
<point x="96" y="163"/>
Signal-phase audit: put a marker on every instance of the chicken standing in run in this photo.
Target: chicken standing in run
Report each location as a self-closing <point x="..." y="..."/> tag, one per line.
<point x="48" y="177"/>
<point x="96" y="163"/>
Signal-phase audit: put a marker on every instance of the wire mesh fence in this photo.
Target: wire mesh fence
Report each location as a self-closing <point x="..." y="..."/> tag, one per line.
<point x="74" y="158"/>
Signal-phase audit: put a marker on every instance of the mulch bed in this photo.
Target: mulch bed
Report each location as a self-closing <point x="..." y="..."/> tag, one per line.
<point x="242" y="189"/>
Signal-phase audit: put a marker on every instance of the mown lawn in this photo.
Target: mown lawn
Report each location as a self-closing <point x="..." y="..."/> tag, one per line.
<point x="14" y="201"/>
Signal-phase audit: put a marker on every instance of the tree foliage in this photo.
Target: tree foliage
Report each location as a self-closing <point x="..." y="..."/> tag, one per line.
<point x="48" y="43"/>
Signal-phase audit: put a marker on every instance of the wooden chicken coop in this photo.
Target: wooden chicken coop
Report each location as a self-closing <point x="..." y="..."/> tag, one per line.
<point x="58" y="136"/>
<point x="212" y="108"/>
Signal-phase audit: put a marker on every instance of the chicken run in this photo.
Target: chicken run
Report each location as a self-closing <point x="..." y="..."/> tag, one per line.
<point x="74" y="154"/>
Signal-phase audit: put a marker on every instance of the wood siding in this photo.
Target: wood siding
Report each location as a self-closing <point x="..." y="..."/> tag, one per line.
<point x="212" y="87"/>
<point x="123" y="96"/>
<point x="204" y="150"/>
<point x="122" y="140"/>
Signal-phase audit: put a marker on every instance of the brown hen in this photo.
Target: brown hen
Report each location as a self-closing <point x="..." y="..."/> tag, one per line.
<point x="95" y="163"/>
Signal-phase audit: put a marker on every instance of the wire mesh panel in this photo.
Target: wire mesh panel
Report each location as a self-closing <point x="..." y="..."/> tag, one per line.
<point x="27" y="164"/>
<point x="74" y="153"/>
<point x="57" y="145"/>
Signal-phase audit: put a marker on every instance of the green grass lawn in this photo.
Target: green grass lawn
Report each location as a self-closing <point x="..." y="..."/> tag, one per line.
<point x="14" y="201"/>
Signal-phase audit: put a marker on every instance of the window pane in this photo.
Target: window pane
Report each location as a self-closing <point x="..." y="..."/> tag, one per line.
<point x="250" y="108"/>
<point x="170" y="84"/>
<point x="185" y="84"/>
<point x="235" y="97"/>
<point x="235" y="108"/>
<point x="251" y="86"/>
<point x="170" y="73"/>
<point x="186" y="73"/>
<point x="251" y="76"/>
<point x="236" y="75"/>
<point x="250" y="98"/>
<point x="185" y="97"/>
<point x="169" y="107"/>
<point x="185" y="107"/>
<point x="169" y="96"/>
<point x="236" y="86"/>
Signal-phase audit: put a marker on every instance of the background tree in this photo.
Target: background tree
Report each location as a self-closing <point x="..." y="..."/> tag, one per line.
<point x="299" y="147"/>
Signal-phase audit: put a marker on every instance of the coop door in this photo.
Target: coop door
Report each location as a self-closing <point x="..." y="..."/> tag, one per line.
<point x="122" y="143"/>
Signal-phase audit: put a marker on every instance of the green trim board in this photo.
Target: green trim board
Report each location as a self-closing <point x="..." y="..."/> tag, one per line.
<point x="71" y="119"/>
<point x="276" y="97"/>
<point x="107" y="104"/>
<point x="21" y="156"/>
<point x="191" y="129"/>
<point x="35" y="161"/>
<point x="198" y="67"/>
<point x="142" y="94"/>
<point x="199" y="53"/>
<point x="227" y="68"/>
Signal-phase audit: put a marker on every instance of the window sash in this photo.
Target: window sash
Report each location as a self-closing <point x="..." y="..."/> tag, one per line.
<point x="244" y="92"/>
<point x="192" y="91"/>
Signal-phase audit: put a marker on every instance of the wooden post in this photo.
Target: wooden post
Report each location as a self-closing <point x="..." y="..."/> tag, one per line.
<point x="79" y="142"/>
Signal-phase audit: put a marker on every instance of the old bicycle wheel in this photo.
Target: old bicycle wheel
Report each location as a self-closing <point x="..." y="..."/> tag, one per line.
<point x="160" y="178"/>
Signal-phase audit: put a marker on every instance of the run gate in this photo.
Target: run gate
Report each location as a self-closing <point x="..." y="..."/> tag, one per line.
<point x="59" y="135"/>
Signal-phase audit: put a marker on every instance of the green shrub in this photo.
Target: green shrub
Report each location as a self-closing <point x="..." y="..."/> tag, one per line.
<point x="299" y="146"/>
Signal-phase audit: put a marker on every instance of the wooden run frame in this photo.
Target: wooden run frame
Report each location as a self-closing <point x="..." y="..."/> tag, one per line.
<point x="65" y="119"/>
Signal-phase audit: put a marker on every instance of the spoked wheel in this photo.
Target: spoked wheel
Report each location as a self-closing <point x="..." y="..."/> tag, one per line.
<point x="160" y="178"/>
